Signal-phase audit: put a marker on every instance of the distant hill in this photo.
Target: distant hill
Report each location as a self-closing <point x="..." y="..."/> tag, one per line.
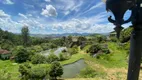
<point x="66" y="34"/>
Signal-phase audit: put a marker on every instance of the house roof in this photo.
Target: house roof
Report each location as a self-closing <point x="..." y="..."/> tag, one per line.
<point x="4" y="51"/>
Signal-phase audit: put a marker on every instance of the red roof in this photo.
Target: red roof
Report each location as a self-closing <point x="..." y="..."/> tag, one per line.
<point x="4" y="51"/>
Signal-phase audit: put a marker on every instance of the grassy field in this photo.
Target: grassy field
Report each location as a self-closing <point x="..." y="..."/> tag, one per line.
<point x="11" y="68"/>
<point x="115" y="68"/>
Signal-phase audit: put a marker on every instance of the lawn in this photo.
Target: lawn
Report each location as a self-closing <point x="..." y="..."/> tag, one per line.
<point x="11" y="68"/>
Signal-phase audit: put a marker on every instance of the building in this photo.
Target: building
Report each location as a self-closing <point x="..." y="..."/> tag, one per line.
<point x="4" y="54"/>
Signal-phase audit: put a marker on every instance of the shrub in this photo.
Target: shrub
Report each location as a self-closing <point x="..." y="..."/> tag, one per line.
<point x="37" y="48"/>
<point x="74" y="50"/>
<point x="106" y="57"/>
<point x="125" y="34"/>
<point x="56" y="70"/>
<point x="4" y="75"/>
<point x="29" y="72"/>
<point x="21" y="54"/>
<point x="39" y="73"/>
<point x="45" y="46"/>
<point x="88" y="73"/>
<point x="8" y="45"/>
<point x="94" y="49"/>
<point x="38" y="59"/>
<point x="64" y="56"/>
<point x="100" y="38"/>
<point x="51" y="58"/>
<point x="113" y="39"/>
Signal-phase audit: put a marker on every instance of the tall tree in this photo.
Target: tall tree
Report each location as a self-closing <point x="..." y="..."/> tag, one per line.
<point x="25" y="35"/>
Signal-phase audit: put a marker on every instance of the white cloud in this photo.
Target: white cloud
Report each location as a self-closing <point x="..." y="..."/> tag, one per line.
<point x="8" y="2"/>
<point x="49" y="11"/>
<point x="48" y="0"/>
<point x="7" y="23"/>
<point x="100" y="4"/>
<point x="68" y="6"/>
<point x="89" y="25"/>
<point x="3" y="14"/>
<point x="22" y="15"/>
<point x="96" y="6"/>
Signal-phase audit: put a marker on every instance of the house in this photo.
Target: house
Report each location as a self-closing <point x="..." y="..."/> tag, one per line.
<point x="4" y="54"/>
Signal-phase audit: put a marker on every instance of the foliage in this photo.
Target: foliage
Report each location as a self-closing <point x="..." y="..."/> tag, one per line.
<point x="25" y="35"/>
<point x="4" y="75"/>
<point x="105" y="49"/>
<point x="104" y="57"/>
<point x="125" y="34"/>
<point x="24" y="70"/>
<point x="64" y="56"/>
<point x="21" y="54"/>
<point x="45" y="46"/>
<point x="38" y="59"/>
<point x="29" y="72"/>
<point x="39" y="73"/>
<point x="68" y="41"/>
<point x="100" y="38"/>
<point x="56" y="70"/>
<point x="113" y="39"/>
<point x="51" y="58"/>
<point x="37" y="48"/>
<point x="74" y="50"/>
<point x="94" y="49"/>
<point x="80" y="40"/>
<point x="88" y="73"/>
<point x="6" y="44"/>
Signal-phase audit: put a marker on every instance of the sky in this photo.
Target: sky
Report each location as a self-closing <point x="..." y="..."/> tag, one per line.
<point x="55" y="16"/>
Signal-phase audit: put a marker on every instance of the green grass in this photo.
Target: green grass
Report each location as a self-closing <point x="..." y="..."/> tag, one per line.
<point x="117" y="57"/>
<point x="11" y="68"/>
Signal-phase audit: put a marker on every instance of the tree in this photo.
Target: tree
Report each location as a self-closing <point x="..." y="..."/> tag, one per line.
<point x="56" y="70"/>
<point x="24" y="69"/>
<point x="37" y="72"/>
<point x="21" y="54"/>
<point x="25" y="35"/>
<point x="38" y="59"/>
<point x="52" y="57"/>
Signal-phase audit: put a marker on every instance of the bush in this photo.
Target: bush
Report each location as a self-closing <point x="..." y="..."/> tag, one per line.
<point x="56" y="70"/>
<point x="38" y="59"/>
<point x="73" y="50"/>
<point x="113" y="39"/>
<point x="33" y="73"/>
<point x="88" y="73"/>
<point x="8" y="45"/>
<point x="39" y="73"/>
<point x="45" y="46"/>
<point x="52" y="57"/>
<point x="64" y="56"/>
<point x="100" y="38"/>
<point x="21" y="54"/>
<point x="125" y="34"/>
<point x="4" y="75"/>
<point x="94" y="49"/>
<point x="106" y="57"/>
<point x="37" y="48"/>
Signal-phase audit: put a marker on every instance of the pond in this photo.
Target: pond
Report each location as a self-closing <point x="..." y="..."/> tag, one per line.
<point x="71" y="70"/>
